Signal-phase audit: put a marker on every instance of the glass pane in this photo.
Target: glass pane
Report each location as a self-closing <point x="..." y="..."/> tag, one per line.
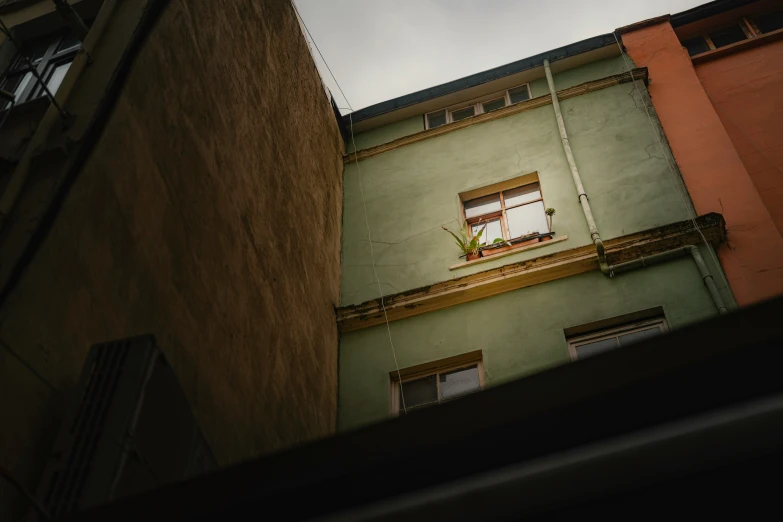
<point x="57" y="76"/>
<point x="518" y="94"/>
<point x="770" y="22"/>
<point x="728" y="36"/>
<point x="17" y="84"/>
<point x="493" y="230"/>
<point x="36" y="50"/>
<point x="459" y="382"/>
<point x="635" y="337"/>
<point x="419" y="392"/>
<point x="527" y="219"/>
<point x="485" y="205"/>
<point x="586" y="350"/>
<point x="68" y="43"/>
<point x="436" y="119"/>
<point x="461" y="114"/>
<point x="696" y="45"/>
<point x="520" y="195"/>
<point x="494" y="104"/>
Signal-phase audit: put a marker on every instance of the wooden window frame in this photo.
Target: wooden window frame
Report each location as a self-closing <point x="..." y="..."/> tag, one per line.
<point x="45" y="66"/>
<point x="745" y="23"/>
<point x="613" y="332"/>
<point x="503" y="209"/>
<point x="477" y="104"/>
<point x="433" y="368"/>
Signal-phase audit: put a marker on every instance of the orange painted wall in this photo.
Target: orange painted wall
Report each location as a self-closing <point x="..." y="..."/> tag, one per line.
<point x="746" y="90"/>
<point x="715" y="175"/>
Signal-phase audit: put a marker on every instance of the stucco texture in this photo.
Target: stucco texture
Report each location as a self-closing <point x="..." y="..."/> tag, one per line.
<point x="715" y="175"/>
<point x="412" y="191"/>
<point x="519" y="332"/>
<point x="746" y="89"/>
<point x="208" y="214"/>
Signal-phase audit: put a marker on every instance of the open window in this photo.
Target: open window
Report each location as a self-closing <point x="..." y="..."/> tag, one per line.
<point x="510" y="213"/>
<point x="436" y="382"/>
<point x="50" y="56"/>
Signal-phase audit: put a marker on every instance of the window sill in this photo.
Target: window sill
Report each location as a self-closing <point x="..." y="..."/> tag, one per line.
<point x="515" y="250"/>
<point x="737" y="47"/>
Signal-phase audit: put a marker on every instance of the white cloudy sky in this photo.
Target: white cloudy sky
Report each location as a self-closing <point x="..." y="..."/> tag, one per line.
<point x="381" y="49"/>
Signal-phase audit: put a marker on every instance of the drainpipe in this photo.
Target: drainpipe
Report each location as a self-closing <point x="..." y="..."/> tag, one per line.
<point x="611" y="270"/>
<point x="52" y="116"/>
<point x="594" y="235"/>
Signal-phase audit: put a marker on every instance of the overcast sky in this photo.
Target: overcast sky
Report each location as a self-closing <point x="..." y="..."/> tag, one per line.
<point x="382" y="49"/>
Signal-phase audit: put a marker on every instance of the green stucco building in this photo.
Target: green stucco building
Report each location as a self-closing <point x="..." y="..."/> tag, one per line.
<point x="487" y="148"/>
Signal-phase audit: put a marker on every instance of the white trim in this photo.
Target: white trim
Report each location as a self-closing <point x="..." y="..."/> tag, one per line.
<point x="608" y="333"/>
<point x="477" y="104"/>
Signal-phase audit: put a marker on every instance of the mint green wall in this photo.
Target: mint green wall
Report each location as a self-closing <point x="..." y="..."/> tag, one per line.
<point x="411" y="191"/>
<point x="593" y="71"/>
<point x="387" y="133"/>
<point x="519" y="332"/>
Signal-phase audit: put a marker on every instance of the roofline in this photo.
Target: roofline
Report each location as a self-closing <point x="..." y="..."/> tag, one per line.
<point x="706" y="10"/>
<point x="474" y="80"/>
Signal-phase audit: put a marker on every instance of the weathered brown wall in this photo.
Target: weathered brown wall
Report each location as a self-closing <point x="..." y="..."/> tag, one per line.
<point x="208" y="215"/>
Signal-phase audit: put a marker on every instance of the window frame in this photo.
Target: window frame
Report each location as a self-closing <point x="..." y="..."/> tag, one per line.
<point x="746" y="23"/>
<point x="45" y="65"/>
<point x="576" y="341"/>
<point x="434" y="368"/>
<point x="477" y="104"/>
<point x="502" y="213"/>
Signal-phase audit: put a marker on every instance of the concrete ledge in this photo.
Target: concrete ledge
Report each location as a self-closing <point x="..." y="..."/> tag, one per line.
<point x="508" y="253"/>
<point x="571" y="92"/>
<point x="528" y="273"/>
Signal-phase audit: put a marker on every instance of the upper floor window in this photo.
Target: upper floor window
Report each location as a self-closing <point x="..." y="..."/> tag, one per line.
<point x="608" y="339"/>
<point x="508" y="214"/>
<point x="437" y="382"/>
<point x="51" y="57"/>
<point x="488" y="103"/>
<point x="743" y="29"/>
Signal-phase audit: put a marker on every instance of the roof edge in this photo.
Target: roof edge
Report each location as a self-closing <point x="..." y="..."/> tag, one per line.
<point x="474" y="80"/>
<point x="706" y="10"/>
<point x="644" y="23"/>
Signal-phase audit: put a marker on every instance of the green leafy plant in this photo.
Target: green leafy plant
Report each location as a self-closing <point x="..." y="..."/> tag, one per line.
<point x="468" y="245"/>
<point x="549" y="213"/>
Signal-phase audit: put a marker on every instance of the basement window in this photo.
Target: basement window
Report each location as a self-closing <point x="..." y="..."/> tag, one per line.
<point x="598" y="341"/>
<point x="51" y="57"/>
<point x="481" y="105"/>
<point x="436" y="382"/>
<point x="509" y="214"/>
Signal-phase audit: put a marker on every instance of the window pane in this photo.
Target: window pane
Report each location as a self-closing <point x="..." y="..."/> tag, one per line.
<point x="493" y="105"/>
<point x="635" y="337"/>
<point x="518" y="94"/>
<point x="436" y="119"/>
<point x="527" y="219"/>
<point x="36" y="50"/>
<point x="57" y="76"/>
<point x="586" y="350"/>
<point x="696" y="45"/>
<point x="728" y="36"/>
<point x="770" y="22"/>
<point x="493" y="230"/>
<point x="520" y="195"/>
<point x="461" y="114"/>
<point x="17" y="83"/>
<point x="419" y="392"/>
<point x="485" y="205"/>
<point x="459" y="382"/>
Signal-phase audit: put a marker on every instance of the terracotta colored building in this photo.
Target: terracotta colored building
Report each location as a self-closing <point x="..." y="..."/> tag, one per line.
<point x="716" y="81"/>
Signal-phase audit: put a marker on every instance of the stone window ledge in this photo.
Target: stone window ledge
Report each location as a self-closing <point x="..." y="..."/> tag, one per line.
<point x="509" y="252"/>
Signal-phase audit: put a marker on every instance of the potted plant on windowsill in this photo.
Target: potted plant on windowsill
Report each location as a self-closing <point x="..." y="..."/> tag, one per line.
<point x="549" y="213"/>
<point x="469" y="246"/>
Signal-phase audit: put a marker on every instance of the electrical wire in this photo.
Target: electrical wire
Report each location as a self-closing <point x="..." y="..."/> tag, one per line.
<point x="366" y="220"/>
<point x="321" y="54"/>
<point x="681" y="189"/>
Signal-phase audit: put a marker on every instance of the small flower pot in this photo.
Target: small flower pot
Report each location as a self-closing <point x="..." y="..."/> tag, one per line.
<point x="546" y="238"/>
<point x="473" y="256"/>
